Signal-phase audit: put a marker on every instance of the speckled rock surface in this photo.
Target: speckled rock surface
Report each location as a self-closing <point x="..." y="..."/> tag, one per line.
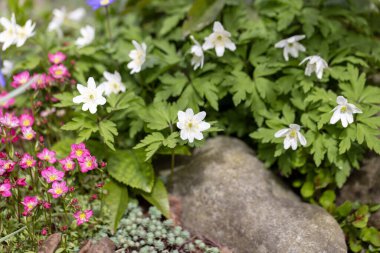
<point x="364" y="186"/>
<point x="228" y="195"/>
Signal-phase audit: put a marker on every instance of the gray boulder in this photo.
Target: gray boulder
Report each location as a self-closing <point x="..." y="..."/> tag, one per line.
<point x="228" y="195"/>
<point x="364" y="186"/>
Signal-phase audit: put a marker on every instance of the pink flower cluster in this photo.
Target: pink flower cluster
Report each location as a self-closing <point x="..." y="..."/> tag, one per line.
<point x="46" y="164"/>
<point x="57" y="72"/>
<point x="14" y="127"/>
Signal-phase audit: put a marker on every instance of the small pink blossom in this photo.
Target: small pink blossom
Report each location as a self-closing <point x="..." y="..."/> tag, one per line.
<point x="47" y="155"/>
<point x="7" y="103"/>
<point x="21" y="182"/>
<point x="29" y="202"/>
<point x="58" y="189"/>
<point x="67" y="164"/>
<point x="57" y="58"/>
<point x="28" y="133"/>
<point x="41" y="82"/>
<point x="20" y="79"/>
<point x="9" y="120"/>
<point x="27" y="161"/>
<point x="46" y="205"/>
<point x="79" y="151"/>
<point x="51" y="174"/>
<point x="83" y="217"/>
<point x="58" y="71"/>
<point x="5" y="190"/>
<point x="44" y="231"/>
<point x="26" y="120"/>
<point x="7" y="165"/>
<point x="88" y="163"/>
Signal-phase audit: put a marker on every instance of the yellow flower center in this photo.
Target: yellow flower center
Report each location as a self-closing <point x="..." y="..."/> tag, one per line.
<point x="46" y="157"/>
<point x="26" y="122"/>
<point x="58" y="191"/>
<point x="30" y="206"/>
<point x="69" y="165"/>
<point x="79" y="152"/>
<point x="23" y="80"/>
<point x="52" y="177"/>
<point x="88" y="163"/>
<point x="82" y="216"/>
<point x="29" y="136"/>
<point x="190" y="124"/>
<point x="29" y="162"/>
<point x="104" y="2"/>
<point x="343" y="109"/>
<point x="58" y="72"/>
<point x="293" y="134"/>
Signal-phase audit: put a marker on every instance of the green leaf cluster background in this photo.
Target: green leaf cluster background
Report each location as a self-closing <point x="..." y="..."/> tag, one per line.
<point x="250" y="93"/>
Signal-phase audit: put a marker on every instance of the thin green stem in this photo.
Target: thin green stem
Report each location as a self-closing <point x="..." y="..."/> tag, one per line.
<point x="108" y="24"/>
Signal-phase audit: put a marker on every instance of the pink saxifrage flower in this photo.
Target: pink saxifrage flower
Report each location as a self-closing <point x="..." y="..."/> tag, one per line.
<point x="47" y="155"/>
<point x="27" y="161"/>
<point x="21" y="182"/>
<point x="9" y="120"/>
<point x="7" y="165"/>
<point x="29" y="202"/>
<point x="83" y="217"/>
<point x="79" y="151"/>
<point x="58" y="71"/>
<point x="7" y="103"/>
<point x="26" y="120"/>
<point x="20" y="79"/>
<point x="88" y="163"/>
<point x="57" y="58"/>
<point x="58" y="189"/>
<point x="5" y="190"/>
<point x="41" y="82"/>
<point x="67" y="164"/>
<point x="28" y="133"/>
<point x="51" y="174"/>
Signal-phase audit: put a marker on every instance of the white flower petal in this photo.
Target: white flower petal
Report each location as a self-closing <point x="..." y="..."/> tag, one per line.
<point x="336" y="116"/>
<point x="281" y="132"/>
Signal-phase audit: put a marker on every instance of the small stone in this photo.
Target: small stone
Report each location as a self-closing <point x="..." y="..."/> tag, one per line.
<point x="51" y="243"/>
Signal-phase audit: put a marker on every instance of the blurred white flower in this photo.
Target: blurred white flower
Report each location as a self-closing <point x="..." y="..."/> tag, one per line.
<point x="291" y="46"/>
<point x="315" y="64"/>
<point x="7" y="68"/>
<point x="91" y="96"/>
<point x="60" y="15"/>
<point x="113" y="83"/>
<point x="138" y="56"/>
<point x="88" y="35"/>
<point x="292" y="136"/>
<point x="9" y="35"/>
<point x="191" y="125"/>
<point x="24" y="32"/>
<point x="198" y="56"/>
<point x="219" y="39"/>
<point x="344" y="112"/>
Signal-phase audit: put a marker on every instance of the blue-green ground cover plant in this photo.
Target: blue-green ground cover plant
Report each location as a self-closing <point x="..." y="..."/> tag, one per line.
<point x="294" y="79"/>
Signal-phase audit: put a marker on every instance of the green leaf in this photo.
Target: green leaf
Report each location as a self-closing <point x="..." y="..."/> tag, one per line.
<point x="108" y="130"/>
<point x="371" y="235"/>
<point x="201" y="14"/>
<point x="361" y="217"/>
<point x="307" y="189"/>
<point x="65" y="99"/>
<point x="345" y="209"/>
<point x="116" y="201"/>
<point x="128" y="167"/>
<point x="327" y="199"/>
<point x="63" y="147"/>
<point x="159" y="198"/>
<point x="152" y="143"/>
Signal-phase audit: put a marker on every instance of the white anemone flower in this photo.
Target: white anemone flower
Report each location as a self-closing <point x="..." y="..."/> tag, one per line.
<point x="191" y="125"/>
<point x="60" y="15"/>
<point x="9" y="35"/>
<point x="138" y="56"/>
<point x="7" y="67"/>
<point x="113" y="83"/>
<point x="219" y="39"/>
<point x="24" y="32"/>
<point x="88" y="35"/>
<point x="344" y="112"/>
<point x="91" y="96"/>
<point x="292" y="136"/>
<point x="198" y="56"/>
<point x="291" y="46"/>
<point x="315" y="64"/>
